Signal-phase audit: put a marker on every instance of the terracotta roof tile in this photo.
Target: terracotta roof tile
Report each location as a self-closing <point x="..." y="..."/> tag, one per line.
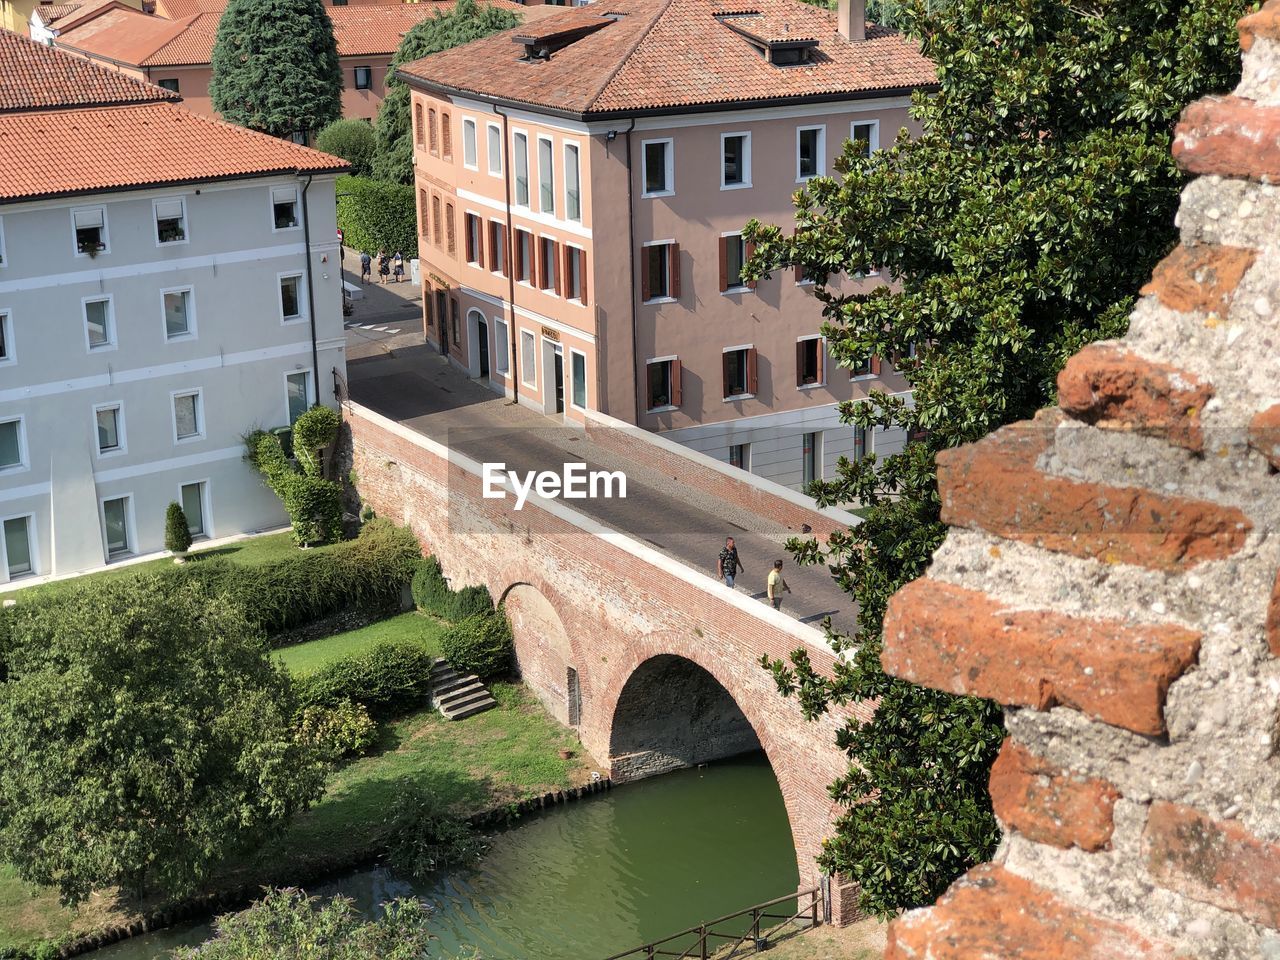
<point x="50" y="12"/>
<point x="36" y="77"/>
<point x="660" y="54"/>
<point x="65" y="152"/>
<point x="124" y="35"/>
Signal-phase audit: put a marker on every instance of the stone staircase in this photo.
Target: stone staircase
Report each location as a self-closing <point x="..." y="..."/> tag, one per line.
<point x="458" y="695"/>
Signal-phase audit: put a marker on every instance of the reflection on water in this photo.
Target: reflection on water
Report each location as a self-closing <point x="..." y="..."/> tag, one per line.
<point x="594" y="877"/>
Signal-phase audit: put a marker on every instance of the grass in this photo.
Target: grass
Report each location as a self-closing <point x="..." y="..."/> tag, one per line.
<point x="304" y="658"/>
<point x="864" y="940"/>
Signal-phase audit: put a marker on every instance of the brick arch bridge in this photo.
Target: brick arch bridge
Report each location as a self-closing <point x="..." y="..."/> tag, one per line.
<point x="653" y="663"/>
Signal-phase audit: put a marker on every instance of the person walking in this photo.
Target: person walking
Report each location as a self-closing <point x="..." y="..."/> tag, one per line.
<point x="384" y="266"/>
<point x="777" y="586"/>
<point x="397" y="266"/>
<point x="728" y="564"/>
<point x="366" y="266"/>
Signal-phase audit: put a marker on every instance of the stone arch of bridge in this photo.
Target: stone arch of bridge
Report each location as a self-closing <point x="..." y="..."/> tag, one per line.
<point x="545" y="652"/>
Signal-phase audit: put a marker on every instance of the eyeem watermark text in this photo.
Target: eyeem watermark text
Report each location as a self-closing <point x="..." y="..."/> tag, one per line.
<point x="574" y="482"/>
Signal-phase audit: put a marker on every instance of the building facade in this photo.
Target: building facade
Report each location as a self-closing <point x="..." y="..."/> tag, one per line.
<point x="582" y="244"/>
<point x="152" y="312"/>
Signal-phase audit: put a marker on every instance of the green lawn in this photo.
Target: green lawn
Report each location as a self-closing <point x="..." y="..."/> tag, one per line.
<point x="304" y="658"/>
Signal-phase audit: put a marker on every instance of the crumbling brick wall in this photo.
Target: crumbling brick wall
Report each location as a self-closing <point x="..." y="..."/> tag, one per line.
<point x="1111" y="576"/>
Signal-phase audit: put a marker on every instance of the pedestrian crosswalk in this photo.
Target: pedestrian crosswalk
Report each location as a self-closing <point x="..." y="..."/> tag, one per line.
<point x="351" y="325"/>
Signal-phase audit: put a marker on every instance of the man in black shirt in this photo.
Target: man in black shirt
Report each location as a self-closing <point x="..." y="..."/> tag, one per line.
<point x="728" y="564"/>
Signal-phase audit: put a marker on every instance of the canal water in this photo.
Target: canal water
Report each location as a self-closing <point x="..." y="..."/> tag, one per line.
<point x="592" y="878"/>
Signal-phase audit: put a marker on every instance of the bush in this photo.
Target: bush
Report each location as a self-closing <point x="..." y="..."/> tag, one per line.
<point x="376" y="215"/>
<point x="177" y="533"/>
<point x="426" y="837"/>
<point x="430" y="592"/>
<point x="470" y="602"/>
<point x="339" y="731"/>
<point x="352" y="140"/>
<point x="388" y="678"/>
<point x="313" y="503"/>
<point x="481" y="644"/>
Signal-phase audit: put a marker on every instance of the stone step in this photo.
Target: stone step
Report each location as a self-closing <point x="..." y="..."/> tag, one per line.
<point x="479" y="706"/>
<point x="441" y="687"/>
<point x="461" y="698"/>
<point x="457" y="695"/>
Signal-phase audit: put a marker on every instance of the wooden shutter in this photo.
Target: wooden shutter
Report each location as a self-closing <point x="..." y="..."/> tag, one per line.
<point x="446" y="132"/>
<point x="582" y="275"/>
<point x="724" y="365"/>
<point x="875" y="366"/>
<point x="675" y="383"/>
<point x="645" y="254"/>
<point x="724" y="264"/>
<point x="749" y="251"/>
<point x="822" y="360"/>
<point x="506" y="253"/>
<point x="449" y="229"/>
<point x="424" y="214"/>
<point x="751" y="370"/>
<point x="673" y="266"/>
<point x="517" y="248"/>
<point x="566" y="290"/>
<point x="800" y="347"/>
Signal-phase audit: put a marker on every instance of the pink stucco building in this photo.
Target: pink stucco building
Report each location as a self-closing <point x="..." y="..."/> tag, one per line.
<point x="583" y="181"/>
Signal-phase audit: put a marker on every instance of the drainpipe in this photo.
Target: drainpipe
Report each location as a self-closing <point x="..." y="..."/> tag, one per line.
<point x="311" y="293"/>
<point x="510" y="260"/>
<point x="635" y="287"/>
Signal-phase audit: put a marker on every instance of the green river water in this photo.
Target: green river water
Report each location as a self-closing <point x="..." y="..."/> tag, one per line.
<point x="593" y="878"/>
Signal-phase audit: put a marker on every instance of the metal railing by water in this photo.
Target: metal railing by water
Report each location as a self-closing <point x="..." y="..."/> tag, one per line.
<point x="714" y="940"/>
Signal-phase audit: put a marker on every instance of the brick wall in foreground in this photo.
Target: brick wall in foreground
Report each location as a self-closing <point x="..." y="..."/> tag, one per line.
<point x="1111" y="576"/>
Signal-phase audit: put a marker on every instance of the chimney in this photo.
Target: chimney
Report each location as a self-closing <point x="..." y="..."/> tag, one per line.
<point x="851" y="18"/>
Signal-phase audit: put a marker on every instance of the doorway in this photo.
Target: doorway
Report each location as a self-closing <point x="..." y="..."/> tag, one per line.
<point x="558" y="361"/>
<point x="442" y="317"/>
<point x="552" y="377"/>
<point x="482" y="331"/>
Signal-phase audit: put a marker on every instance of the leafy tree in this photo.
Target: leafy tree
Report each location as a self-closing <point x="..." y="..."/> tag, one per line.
<point x="146" y="733"/>
<point x="352" y="140"/>
<point x="467" y="21"/>
<point x="289" y="925"/>
<point x="1016" y="228"/>
<point x="177" y="532"/>
<point x="275" y="66"/>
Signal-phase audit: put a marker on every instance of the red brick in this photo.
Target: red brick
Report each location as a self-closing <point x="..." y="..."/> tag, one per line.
<point x="1110" y="387"/>
<point x="994" y="485"/>
<point x="1202" y="277"/>
<point x="992" y="914"/>
<point x="1264" y="434"/>
<point x="1264" y="23"/>
<point x="1229" y="137"/>
<point x="1048" y="804"/>
<point x="964" y="641"/>
<point x="1213" y="861"/>
<point x="1273" y="619"/>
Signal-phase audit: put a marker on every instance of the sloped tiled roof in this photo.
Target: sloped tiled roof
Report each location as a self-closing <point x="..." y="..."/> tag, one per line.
<point x="124" y="35"/>
<point x="65" y="152"/>
<point x="370" y="29"/>
<point x="50" y="12"/>
<point x="677" y="54"/>
<point x="84" y="12"/>
<point x="36" y="77"/>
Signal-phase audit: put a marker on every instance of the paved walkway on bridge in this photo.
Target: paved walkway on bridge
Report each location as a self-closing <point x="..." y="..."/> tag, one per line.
<point x="408" y="381"/>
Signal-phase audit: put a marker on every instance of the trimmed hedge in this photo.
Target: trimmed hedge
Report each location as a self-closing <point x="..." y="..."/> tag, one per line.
<point x="389" y="678"/>
<point x="377" y="215"/>
<point x="470" y="602"/>
<point x="480" y="644"/>
<point x="431" y="593"/>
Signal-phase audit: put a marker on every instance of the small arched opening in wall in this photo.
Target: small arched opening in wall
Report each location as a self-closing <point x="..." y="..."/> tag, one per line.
<point x="544" y="652"/>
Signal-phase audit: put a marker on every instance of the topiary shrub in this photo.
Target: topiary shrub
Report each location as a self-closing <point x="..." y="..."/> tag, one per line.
<point x="481" y="644"/>
<point x="177" y="532"/>
<point x="336" y="732"/>
<point x="389" y="678"/>
<point x="470" y="602"/>
<point x="431" y="594"/>
<point x="376" y="215"/>
<point x="313" y="503"/>
<point x="316" y="429"/>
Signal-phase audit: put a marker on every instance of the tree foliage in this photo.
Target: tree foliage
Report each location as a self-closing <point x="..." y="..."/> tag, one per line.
<point x="314" y="503"/>
<point x="351" y="139"/>
<point x="177" y="532"/>
<point x="377" y="215"/>
<point x="467" y="21"/>
<point x="1016" y="227"/>
<point x="275" y="66"/>
<point x="146" y="735"/>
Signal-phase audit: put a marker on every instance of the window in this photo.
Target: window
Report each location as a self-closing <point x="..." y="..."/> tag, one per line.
<point x="17" y="547"/>
<point x="865" y="137"/>
<point x="572" y="184"/>
<point x="13" y="444"/>
<point x="498" y="248"/>
<point x="809" y="362"/>
<point x="453" y="322"/>
<point x="528" y="354"/>
<point x="474" y="241"/>
<point x="501" y="348"/>
<point x="546" y="177"/>
<point x="740" y="456"/>
<point x="437" y="224"/>
<point x="291" y="297"/>
<point x="524" y="256"/>
<point x="734" y="253"/>
<point x="284" y="207"/>
<point x="578" y="369"/>
<point x="520" y="157"/>
<point x="91" y="230"/>
<point x="868" y="367"/>
<point x="171" y="220"/>
<point x="446" y="136"/>
<point x="364" y="78"/>
<point x="169" y="83"/>
<point x="548" y="273"/>
<point x="575" y="277"/>
<point x="739" y="372"/>
<point x="658" y="169"/>
<point x="660" y="276"/>
<point x="7" y="354"/>
<point x="192" y="498"/>
<point x="735" y="160"/>
<point x="297" y="388"/>
<point x="433" y="132"/>
<point x="495" y="149"/>
<point x="424" y="214"/>
<point x="451" y="239"/>
<point x="179" y="315"/>
<point x="664" y="383"/>
<point x="810" y="152"/>
<point x="188" y="417"/>
<point x="859" y="442"/>
<point x="470" y="157"/>
<point x="418" y="125"/>
<point x="99" y="323"/>
<point x="109" y="419"/>
<point x="115" y="526"/>
<point x="810" y="459"/>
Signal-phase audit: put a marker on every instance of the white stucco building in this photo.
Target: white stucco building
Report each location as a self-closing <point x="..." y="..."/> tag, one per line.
<point x="168" y="282"/>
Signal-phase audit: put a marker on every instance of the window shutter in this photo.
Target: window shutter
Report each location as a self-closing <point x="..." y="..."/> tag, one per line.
<point x="750" y="251"/>
<point x="424" y="214"/>
<point x="724" y="265"/>
<point x="675" y="383"/>
<point x="724" y="364"/>
<point x="751" y="370"/>
<point x="565" y="284"/>
<point x="169" y="210"/>
<point x="822" y="360"/>
<point x="582" y="275"/>
<point x="673" y="263"/>
<point x="449" y="229"/>
<point x="645" y="254"/>
<point x="875" y="366"/>
<point x="800" y="345"/>
<point x="518" y="250"/>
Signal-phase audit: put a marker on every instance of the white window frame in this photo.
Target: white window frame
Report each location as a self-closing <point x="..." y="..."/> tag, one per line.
<point x="112" y="341"/>
<point x="670" y="241"/>
<point x="479" y="248"/>
<point x="558" y="267"/>
<point x="576" y="148"/>
<point x="748" y="395"/>
<point x="470" y="123"/>
<point x="24" y="457"/>
<point x="579" y="300"/>
<point x="130" y="527"/>
<point x="551" y="170"/>
<point x="271" y="207"/>
<point x="106" y="231"/>
<point x="869" y="375"/>
<point x="309" y="389"/>
<point x="741" y="287"/>
<point x="121" y="433"/>
<point x="201" y="426"/>
<point x="6" y="334"/>
<point x="532" y="368"/>
<point x="190" y="291"/>
<point x="586" y="386"/>
<point x="502" y="347"/>
<point x="205" y="500"/>
<point x="488" y="237"/>
<point x="515" y="172"/>
<point x="33" y="546"/>
<point x="669" y="163"/>
<point x="4" y="259"/>
<point x="666" y="407"/>
<point x="875" y="131"/>
<point x="822" y="151"/>
<point x="186" y="224"/>
<point x="822" y="346"/>
<point x="495" y="170"/>
<point x="746" y="160"/>
<point x="302" y="300"/>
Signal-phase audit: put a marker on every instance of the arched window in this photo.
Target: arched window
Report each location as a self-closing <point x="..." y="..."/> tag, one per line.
<point x="450" y="239"/>
<point x="418" y="135"/>
<point x="434" y="132"/>
<point x="446" y="134"/>
<point x="424" y="214"/>
<point x="435" y="219"/>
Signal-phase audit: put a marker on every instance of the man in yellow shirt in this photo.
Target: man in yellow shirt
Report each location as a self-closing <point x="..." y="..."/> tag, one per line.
<point x="777" y="586"/>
